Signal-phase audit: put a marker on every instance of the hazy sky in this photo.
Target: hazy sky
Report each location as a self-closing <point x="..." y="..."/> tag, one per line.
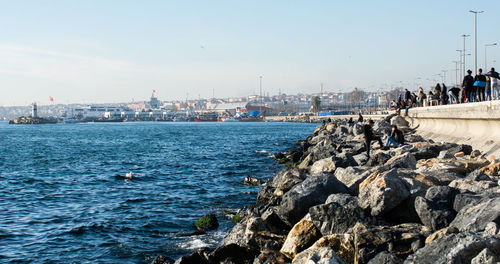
<point x="115" y="51"/>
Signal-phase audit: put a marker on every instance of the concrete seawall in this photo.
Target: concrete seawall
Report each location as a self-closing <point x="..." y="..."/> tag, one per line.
<point x="476" y="124"/>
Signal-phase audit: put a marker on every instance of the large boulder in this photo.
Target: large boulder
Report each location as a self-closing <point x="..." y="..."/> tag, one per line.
<point x="319" y="255"/>
<point x="254" y="233"/>
<point x="339" y="214"/>
<point x="455" y="248"/>
<point x="382" y="192"/>
<point x="435" y="210"/>
<point x="405" y="160"/>
<point x="476" y="217"/>
<point x="207" y="222"/>
<point x="352" y="177"/>
<point x="342" y="244"/>
<point x="312" y="191"/>
<point x="323" y="165"/>
<point x="280" y="183"/>
<point x="302" y="236"/>
<point x="344" y="160"/>
<point x="485" y="257"/>
<point x="270" y="256"/>
<point x="233" y="253"/>
<point x="400" y="240"/>
<point x="472" y="186"/>
<point x="380" y="158"/>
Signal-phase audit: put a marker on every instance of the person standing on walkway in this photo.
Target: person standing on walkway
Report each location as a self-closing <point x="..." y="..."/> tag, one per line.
<point x="453" y="93"/>
<point x="437" y="93"/>
<point x="444" y="95"/>
<point x="487" y="89"/>
<point x="480" y="84"/>
<point x="494" y="83"/>
<point x="370" y="136"/>
<point x="468" y="85"/>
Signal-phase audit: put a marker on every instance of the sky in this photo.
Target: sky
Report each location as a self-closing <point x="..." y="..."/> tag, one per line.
<point x="119" y="51"/>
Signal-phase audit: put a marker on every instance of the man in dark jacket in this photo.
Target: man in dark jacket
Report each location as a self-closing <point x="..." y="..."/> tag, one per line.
<point x="468" y="84"/>
<point x="369" y="137"/>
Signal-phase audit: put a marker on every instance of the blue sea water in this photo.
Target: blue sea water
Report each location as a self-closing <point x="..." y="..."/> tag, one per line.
<point x="63" y="197"/>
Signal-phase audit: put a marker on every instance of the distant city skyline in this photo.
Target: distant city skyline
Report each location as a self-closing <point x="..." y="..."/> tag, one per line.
<point x="116" y="51"/>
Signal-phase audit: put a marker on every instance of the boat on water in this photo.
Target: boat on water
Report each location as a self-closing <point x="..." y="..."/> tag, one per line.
<point x="206" y="117"/>
<point x="229" y="119"/>
<point x="112" y="119"/>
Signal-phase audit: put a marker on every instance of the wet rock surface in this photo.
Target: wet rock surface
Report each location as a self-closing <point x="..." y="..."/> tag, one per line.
<point x="424" y="202"/>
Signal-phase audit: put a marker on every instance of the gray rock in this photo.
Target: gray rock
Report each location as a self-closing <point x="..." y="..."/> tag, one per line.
<point x="478" y="175"/>
<point x="352" y="177"/>
<point x="426" y="152"/>
<point x="344" y="160"/>
<point x="360" y="158"/>
<point x="476" y="217"/>
<point x="381" y="127"/>
<point x="323" y="165"/>
<point x="454" y="248"/>
<point x="405" y="160"/>
<point x="445" y="154"/>
<point x="492" y="229"/>
<point x="436" y="209"/>
<point x="320" y="255"/>
<point x="312" y="191"/>
<point x="383" y="191"/>
<point x="357" y="129"/>
<point x="341" y="131"/>
<point x="433" y="215"/>
<point x="301" y="237"/>
<point x="385" y="258"/>
<point x="380" y="158"/>
<point x="466" y="199"/>
<point x="281" y="182"/>
<point x="255" y="234"/>
<point x="473" y="186"/>
<point x="485" y="257"/>
<point x="339" y="213"/>
<point x="232" y="253"/>
<point x="401" y="240"/>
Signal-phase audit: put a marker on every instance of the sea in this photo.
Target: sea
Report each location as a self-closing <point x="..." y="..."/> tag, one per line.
<point x="64" y="197"/>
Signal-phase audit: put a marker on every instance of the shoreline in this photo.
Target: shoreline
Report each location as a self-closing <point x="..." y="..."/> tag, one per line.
<point x="333" y="204"/>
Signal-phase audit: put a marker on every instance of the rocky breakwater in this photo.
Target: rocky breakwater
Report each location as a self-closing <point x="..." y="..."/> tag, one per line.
<point x="424" y="202"/>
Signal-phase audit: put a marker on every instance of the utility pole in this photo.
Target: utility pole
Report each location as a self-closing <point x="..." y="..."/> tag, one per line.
<point x="463" y="54"/>
<point x="475" y="37"/>
<point x="456" y="71"/>
<point x="321" y="88"/>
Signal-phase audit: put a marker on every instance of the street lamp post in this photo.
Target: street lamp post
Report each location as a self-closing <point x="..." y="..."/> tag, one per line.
<point x="456" y="71"/>
<point x="444" y="75"/>
<point x="475" y="37"/>
<point x="463" y="54"/>
<point x="485" y="57"/>
<point x="461" y="65"/>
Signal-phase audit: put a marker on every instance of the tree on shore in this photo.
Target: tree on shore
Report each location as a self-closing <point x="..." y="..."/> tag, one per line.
<point x="316" y="104"/>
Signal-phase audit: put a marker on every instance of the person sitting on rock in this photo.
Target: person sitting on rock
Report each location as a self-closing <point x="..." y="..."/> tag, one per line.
<point x="396" y="137"/>
<point x="369" y="137"/>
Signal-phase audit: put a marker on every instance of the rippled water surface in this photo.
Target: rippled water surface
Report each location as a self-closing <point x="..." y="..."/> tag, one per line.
<point x="62" y="198"/>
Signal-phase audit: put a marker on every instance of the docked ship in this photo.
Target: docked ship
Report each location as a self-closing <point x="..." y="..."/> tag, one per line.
<point x="206" y="117"/>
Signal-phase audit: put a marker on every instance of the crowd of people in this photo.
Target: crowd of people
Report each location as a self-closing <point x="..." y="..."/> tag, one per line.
<point x="481" y="87"/>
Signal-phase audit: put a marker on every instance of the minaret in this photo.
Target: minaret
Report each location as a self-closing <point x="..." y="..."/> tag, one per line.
<point x="34" y="112"/>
